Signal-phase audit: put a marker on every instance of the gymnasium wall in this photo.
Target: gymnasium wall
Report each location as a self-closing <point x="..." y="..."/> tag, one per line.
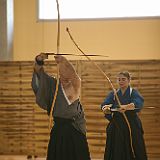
<point x="128" y="39"/>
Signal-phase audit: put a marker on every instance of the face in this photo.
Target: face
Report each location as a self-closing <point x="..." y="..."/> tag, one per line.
<point x="123" y="81"/>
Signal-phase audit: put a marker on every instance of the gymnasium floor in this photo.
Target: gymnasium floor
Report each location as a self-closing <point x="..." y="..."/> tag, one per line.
<point x="13" y="157"/>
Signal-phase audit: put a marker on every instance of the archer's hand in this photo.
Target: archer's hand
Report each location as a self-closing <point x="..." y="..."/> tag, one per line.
<point x="41" y="57"/>
<point x="39" y="61"/>
<point x="128" y="107"/>
<point x="106" y="109"/>
<point x="122" y="109"/>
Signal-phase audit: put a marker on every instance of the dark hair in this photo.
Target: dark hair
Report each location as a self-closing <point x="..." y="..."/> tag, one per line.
<point x="126" y="74"/>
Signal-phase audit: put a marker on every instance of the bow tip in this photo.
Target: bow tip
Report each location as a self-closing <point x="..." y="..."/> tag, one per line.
<point x="67" y="29"/>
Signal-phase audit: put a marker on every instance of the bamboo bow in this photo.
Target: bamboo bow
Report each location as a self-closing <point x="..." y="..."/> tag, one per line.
<point x="114" y="90"/>
<point x="57" y="84"/>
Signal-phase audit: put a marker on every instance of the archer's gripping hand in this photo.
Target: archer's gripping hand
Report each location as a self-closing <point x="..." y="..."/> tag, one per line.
<point x="39" y="61"/>
<point x="106" y="109"/>
<point x="40" y="58"/>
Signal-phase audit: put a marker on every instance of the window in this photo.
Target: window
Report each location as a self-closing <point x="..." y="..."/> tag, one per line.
<point x="98" y="9"/>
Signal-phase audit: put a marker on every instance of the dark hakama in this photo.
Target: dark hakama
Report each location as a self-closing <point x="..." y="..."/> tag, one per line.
<point x="118" y="143"/>
<point x="68" y="135"/>
<point x="67" y="143"/>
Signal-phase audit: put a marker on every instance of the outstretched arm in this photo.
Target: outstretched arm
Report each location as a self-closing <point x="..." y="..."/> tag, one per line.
<point x="42" y="84"/>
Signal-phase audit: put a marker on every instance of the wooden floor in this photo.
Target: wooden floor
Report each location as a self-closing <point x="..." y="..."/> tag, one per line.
<point x="13" y="157"/>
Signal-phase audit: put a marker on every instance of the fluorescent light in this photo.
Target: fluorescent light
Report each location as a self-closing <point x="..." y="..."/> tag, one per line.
<point x="91" y="9"/>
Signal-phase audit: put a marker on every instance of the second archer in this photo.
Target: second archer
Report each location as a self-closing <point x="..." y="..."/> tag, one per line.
<point x="119" y="144"/>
